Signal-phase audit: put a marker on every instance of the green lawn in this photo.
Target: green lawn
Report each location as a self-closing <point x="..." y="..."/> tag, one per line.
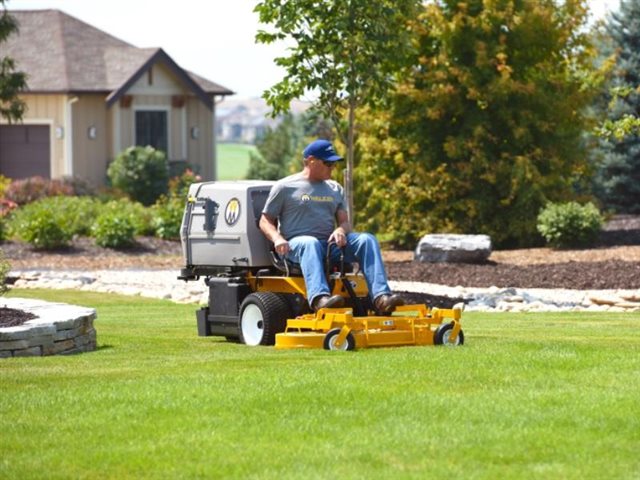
<point x="233" y="160"/>
<point x="547" y="396"/>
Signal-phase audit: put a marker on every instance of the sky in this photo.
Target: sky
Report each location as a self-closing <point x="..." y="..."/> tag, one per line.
<point x="213" y="38"/>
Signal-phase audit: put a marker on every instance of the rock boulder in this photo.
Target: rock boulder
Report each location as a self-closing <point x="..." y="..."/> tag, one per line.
<point x="453" y="248"/>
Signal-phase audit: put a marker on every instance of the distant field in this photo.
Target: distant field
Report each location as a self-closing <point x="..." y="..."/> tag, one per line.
<point x="233" y="160"/>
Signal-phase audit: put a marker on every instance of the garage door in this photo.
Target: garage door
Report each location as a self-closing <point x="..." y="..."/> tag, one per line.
<point x="24" y="151"/>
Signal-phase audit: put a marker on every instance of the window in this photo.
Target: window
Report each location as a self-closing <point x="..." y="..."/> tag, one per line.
<point x="151" y="129"/>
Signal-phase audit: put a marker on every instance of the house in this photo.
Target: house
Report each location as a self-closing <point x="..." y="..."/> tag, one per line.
<point x="92" y="95"/>
<point x="246" y="120"/>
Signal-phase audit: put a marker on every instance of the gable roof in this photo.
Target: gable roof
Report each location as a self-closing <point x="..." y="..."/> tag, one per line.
<point x="60" y="53"/>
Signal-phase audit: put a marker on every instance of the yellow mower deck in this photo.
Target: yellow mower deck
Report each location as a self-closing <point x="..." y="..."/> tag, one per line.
<point x="338" y="329"/>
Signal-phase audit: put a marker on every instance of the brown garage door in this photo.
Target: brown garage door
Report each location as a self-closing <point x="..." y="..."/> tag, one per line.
<point x="24" y="151"/>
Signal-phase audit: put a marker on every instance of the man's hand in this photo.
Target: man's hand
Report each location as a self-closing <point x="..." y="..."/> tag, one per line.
<point x="281" y="246"/>
<point x="338" y="237"/>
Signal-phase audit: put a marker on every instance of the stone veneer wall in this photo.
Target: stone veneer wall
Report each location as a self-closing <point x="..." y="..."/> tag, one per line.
<point x="58" y="329"/>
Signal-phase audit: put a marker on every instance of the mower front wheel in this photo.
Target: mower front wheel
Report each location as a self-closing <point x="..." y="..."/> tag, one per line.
<point x="262" y="316"/>
<point x="331" y="338"/>
<point x="443" y="336"/>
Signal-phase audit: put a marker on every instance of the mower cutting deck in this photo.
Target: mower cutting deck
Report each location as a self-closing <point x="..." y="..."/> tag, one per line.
<point x="338" y="329"/>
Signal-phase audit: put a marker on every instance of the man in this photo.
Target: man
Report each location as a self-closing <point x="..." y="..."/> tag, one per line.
<point x="306" y="212"/>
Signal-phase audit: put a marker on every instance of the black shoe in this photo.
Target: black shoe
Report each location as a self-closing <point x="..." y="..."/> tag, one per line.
<point x="325" y="301"/>
<point x="387" y="303"/>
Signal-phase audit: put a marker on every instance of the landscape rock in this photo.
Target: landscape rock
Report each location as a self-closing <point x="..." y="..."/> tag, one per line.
<point x="453" y="248"/>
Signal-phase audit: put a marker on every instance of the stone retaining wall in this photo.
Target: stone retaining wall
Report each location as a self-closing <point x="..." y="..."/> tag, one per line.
<point x="58" y="329"/>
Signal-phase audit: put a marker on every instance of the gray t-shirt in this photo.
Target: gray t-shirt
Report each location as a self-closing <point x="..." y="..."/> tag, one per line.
<point x="303" y="207"/>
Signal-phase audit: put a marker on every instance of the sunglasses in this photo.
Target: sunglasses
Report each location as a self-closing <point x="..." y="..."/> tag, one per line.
<point x="329" y="164"/>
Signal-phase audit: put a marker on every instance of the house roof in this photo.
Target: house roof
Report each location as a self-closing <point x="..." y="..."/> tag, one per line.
<point x="60" y="53"/>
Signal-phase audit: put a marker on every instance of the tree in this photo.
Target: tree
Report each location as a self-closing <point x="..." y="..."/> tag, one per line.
<point x="277" y="150"/>
<point x="11" y="82"/>
<point x="617" y="182"/>
<point x="344" y="50"/>
<point x="487" y="127"/>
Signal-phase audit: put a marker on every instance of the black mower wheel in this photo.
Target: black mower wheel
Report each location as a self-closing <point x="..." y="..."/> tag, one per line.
<point x="262" y="316"/>
<point x="331" y="337"/>
<point x="443" y="335"/>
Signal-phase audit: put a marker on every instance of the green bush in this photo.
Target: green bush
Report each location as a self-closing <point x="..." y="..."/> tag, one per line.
<point x="140" y="172"/>
<point x="141" y="216"/>
<point x="168" y="217"/>
<point x="569" y="224"/>
<point x="4" y="270"/>
<point x="41" y="225"/>
<point x="114" y="228"/>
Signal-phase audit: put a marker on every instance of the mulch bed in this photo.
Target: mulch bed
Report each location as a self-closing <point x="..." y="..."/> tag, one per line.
<point x="10" y="317"/>
<point x="572" y="275"/>
<point x="610" y="274"/>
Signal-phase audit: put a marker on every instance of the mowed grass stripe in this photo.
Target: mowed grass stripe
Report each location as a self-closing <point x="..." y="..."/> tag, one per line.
<point x="528" y="396"/>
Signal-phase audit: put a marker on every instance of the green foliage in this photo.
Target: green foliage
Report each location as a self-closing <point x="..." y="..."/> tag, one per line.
<point x="140" y="172"/>
<point x="168" y="213"/>
<point x="347" y="52"/>
<point x="114" y="227"/>
<point x="5" y="268"/>
<point x="12" y="82"/>
<point x="278" y="150"/>
<point x="42" y="225"/>
<point x="569" y="224"/>
<point x="51" y="222"/>
<point x="617" y="181"/>
<point x="485" y="128"/>
<point x="179" y="186"/>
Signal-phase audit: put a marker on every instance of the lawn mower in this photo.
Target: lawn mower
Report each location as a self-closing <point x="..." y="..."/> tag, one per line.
<point x="257" y="298"/>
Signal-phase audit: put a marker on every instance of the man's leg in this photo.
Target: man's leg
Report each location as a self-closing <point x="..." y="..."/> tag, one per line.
<point x="364" y="249"/>
<point x="309" y="253"/>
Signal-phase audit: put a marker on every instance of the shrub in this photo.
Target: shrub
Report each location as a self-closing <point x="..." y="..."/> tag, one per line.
<point x="41" y="225"/>
<point x="30" y="189"/>
<point x="4" y="270"/>
<point x="114" y="228"/>
<point x="140" y="172"/>
<point x="141" y="216"/>
<point x="168" y="217"/>
<point x="569" y="224"/>
<point x="179" y="186"/>
<point x="4" y="184"/>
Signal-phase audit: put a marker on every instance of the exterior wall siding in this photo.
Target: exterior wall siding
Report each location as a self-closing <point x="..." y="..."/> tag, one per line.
<point x="200" y="152"/>
<point x="90" y="155"/>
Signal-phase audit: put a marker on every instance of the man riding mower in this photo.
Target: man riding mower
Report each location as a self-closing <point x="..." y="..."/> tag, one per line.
<point x="258" y="299"/>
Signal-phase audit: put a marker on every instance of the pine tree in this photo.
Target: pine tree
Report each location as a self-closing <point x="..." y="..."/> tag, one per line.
<point x="617" y="182"/>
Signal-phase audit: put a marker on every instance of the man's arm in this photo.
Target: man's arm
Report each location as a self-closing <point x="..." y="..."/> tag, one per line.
<point x="339" y="235"/>
<point x="269" y="228"/>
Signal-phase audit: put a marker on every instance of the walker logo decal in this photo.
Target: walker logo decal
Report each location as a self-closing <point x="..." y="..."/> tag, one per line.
<point x="305" y="198"/>
<point x="232" y="212"/>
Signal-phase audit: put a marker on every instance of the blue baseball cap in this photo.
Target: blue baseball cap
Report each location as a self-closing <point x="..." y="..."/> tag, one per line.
<point x="323" y="150"/>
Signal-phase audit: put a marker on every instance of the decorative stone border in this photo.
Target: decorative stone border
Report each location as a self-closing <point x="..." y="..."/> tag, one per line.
<point x="58" y="329"/>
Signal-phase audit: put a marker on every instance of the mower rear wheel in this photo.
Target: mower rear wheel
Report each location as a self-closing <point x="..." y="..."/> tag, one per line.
<point x="331" y="338"/>
<point x="262" y="316"/>
<point x="443" y="336"/>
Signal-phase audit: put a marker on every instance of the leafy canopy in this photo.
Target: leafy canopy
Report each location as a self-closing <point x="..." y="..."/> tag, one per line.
<point x="487" y="127"/>
<point x="344" y="51"/>
<point x="12" y="83"/>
